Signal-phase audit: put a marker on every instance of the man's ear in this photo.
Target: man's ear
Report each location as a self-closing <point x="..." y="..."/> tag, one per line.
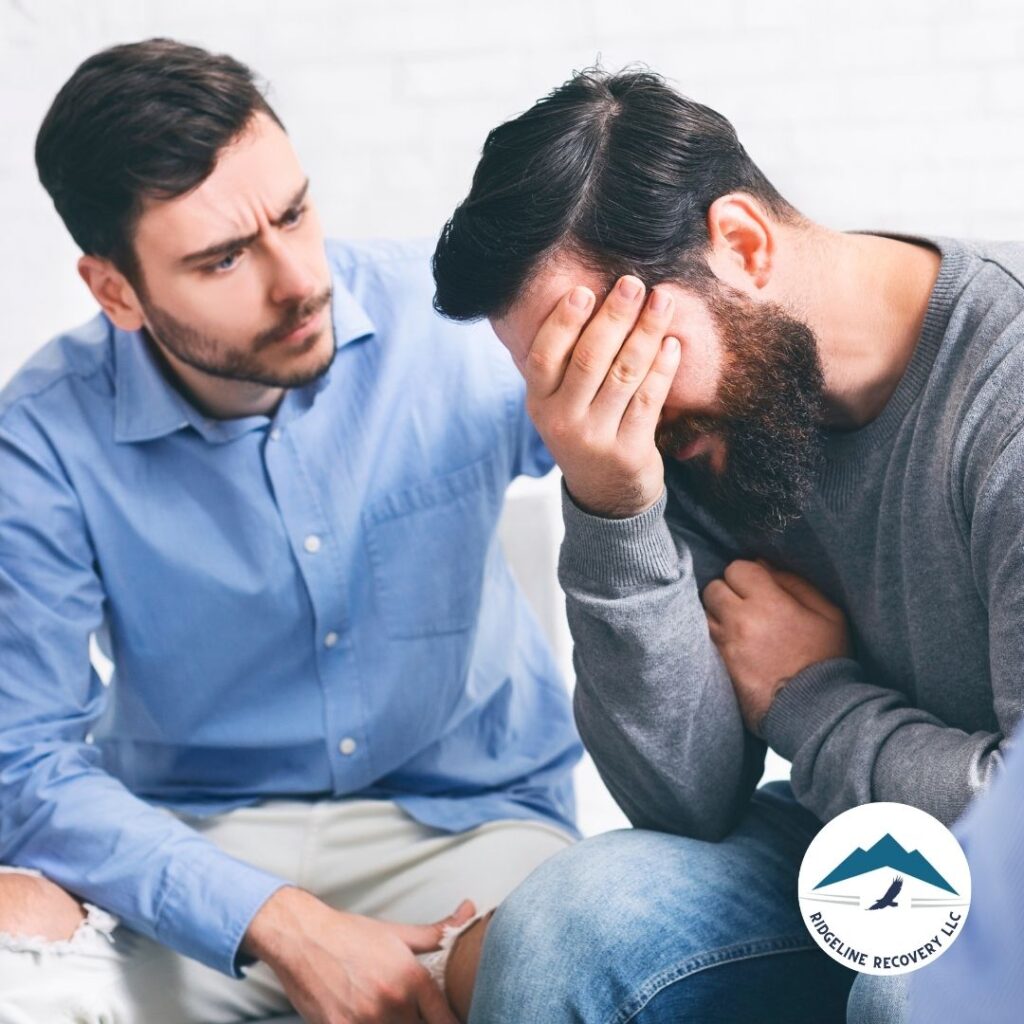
<point x="742" y="242"/>
<point x="112" y="291"/>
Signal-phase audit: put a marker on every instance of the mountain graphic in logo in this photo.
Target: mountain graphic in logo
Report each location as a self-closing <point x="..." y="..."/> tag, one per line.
<point x="886" y="853"/>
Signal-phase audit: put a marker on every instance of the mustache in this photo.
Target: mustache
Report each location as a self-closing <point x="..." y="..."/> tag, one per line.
<point x="296" y="315"/>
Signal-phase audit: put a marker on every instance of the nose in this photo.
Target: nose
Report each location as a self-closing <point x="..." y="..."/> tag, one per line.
<point x="292" y="281"/>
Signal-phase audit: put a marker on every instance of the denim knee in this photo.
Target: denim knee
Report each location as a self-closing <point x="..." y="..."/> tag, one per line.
<point x="601" y="930"/>
<point x="878" y="999"/>
<point x="586" y="930"/>
<point x="570" y="898"/>
<point x="604" y="892"/>
<point x="567" y="922"/>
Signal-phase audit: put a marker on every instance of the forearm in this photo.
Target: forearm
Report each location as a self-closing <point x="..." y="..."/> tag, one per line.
<point x="852" y="742"/>
<point x="654" y="703"/>
<point x="84" y="831"/>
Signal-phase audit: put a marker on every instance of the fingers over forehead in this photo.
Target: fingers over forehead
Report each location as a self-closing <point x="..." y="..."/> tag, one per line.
<point x="553" y="344"/>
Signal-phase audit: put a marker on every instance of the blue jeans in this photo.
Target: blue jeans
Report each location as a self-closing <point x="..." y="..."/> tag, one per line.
<point x="644" y="927"/>
<point x="879" y="999"/>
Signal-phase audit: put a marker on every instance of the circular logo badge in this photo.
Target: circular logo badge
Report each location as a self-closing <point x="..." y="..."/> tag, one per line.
<point x="884" y="888"/>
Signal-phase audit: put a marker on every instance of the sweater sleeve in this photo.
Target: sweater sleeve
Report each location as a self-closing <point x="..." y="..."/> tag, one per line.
<point x="851" y="741"/>
<point x="653" y="701"/>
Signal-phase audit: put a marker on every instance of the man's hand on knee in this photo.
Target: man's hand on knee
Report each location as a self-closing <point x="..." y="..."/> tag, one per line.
<point x="31" y="906"/>
<point x="338" y="967"/>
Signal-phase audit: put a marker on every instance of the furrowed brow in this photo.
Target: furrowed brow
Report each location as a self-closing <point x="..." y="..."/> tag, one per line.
<point x="295" y="202"/>
<point x="241" y="242"/>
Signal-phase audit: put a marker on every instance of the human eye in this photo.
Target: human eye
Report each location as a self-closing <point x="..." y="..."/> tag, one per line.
<point x="227" y="262"/>
<point x="293" y="216"/>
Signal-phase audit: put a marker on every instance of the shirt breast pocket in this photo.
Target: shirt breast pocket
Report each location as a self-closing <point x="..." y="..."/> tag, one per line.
<point x="427" y="546"/>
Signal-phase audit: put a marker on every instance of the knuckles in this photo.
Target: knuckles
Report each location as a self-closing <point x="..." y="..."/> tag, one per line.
<point x="625" y="372"/>
<point x="646" y="400"/>
<point x="538" y="362"/>
<point x="393" y="998"/>
<point x="743" y="629"/>
<point x="558" y="429"/>
<point x="742" y="571"/>
<point x="585" y="360"/>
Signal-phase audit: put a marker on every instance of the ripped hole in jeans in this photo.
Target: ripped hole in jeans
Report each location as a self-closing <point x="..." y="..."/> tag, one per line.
<point x="96" y="928"/>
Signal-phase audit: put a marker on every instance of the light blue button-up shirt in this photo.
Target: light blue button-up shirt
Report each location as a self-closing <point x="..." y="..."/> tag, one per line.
<point x="313" y="605"/>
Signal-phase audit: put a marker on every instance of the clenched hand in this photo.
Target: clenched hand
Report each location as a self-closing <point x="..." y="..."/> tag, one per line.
<point x="769" y="625"/>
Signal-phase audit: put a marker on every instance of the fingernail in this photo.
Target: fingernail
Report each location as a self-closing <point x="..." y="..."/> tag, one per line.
<point x="581" y="297"/>
<point x="659" y="300"/>
<point x="630" y="287"/>
<point x="670" y="344"/>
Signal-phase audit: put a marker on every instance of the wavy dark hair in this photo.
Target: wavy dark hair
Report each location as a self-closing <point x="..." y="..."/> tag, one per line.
<point x="617" y="170"/>
<point x="136" y="121"/>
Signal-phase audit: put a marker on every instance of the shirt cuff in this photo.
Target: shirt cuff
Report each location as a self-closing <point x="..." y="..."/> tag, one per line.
<point x="210" y="903"/>
<point x="813" y="697"/>
<point x="618" y="552"/>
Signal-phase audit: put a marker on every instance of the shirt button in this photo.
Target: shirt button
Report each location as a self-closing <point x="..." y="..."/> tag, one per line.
<point x="275" y="434"/>
<point x="331" y="639"/>
<point x="347" y="746"/>
<point x="312" y="543"/>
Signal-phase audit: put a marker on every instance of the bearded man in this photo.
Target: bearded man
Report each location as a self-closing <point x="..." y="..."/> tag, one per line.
<point x="794" y="511"/>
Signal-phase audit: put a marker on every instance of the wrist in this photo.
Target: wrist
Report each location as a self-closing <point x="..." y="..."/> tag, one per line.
<point x="638" y="551"/>
<point x="271" y="933"/>
<point x="628" y="501"/>
<point x="774" y="691"/>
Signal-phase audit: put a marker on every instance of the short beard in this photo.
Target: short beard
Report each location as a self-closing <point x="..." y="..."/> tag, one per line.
<point x="771" y="395"/>
<point x="204" y="352"/>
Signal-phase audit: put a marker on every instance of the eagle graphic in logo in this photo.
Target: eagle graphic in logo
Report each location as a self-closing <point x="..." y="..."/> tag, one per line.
<point x="889" y="899"/>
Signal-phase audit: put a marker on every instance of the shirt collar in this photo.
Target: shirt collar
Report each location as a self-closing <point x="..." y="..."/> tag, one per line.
<point x="148" y="406"/>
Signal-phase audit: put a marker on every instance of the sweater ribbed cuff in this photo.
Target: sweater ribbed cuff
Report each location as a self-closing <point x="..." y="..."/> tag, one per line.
<point x="810" y="699"/>
<point x="618" y="552"/>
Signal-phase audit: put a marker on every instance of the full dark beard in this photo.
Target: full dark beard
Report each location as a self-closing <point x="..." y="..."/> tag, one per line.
<point x="771" y="395"/>
<point x="203" y="352"/>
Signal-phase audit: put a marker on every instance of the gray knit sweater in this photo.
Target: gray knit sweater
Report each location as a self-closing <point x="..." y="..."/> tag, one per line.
<point x="915" y="529"/>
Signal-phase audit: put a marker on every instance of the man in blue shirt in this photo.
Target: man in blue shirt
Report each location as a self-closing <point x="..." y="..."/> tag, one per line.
<point x="267" y="478"/>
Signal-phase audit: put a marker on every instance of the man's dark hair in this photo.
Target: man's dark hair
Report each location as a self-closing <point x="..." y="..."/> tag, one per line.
<point x="139" y="121"/>
<point x="616" y="170"/>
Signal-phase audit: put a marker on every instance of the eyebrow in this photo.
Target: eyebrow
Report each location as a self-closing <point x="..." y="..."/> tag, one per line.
<point x="231" y="244"/>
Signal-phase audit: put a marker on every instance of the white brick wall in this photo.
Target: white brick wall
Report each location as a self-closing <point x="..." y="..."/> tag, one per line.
<point x="900" y="114"/>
